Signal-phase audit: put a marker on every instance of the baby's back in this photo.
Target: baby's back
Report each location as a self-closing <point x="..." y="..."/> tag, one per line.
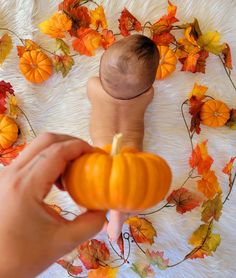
<point x="110" y="116"/>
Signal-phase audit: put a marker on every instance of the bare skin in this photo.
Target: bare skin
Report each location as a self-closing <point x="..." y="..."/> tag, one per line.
<point x="110" y="116"/>
<point x="119" y="98"/>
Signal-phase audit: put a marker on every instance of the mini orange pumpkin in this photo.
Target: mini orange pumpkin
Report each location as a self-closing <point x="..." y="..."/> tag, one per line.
<point x="167" y="62"/>
<point x="214" y="113"/>
<point x="36" y="66"/>
<point x="8" y="131"/>
<point x="127" y="181"/>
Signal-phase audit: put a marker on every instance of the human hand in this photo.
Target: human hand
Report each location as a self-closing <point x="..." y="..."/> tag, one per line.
<point x="32" y="235"/>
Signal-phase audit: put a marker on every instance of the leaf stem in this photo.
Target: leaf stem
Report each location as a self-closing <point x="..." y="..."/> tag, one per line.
<point x="185" y="122"/>
<point x="12" y="32"/>
<point x="27" y="119"/>
<point x="228" y="73"/>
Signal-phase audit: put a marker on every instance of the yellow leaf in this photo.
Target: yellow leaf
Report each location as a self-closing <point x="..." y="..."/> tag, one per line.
<point x="198" y="92"/>
<point x="98" y="18"/>
<point x="210" y="41"/>
<point x="103" y="272"/>
<point x="56" y="26"/>
<point x="199" y="235"/>
<point x="12" y="106"/>
<point x="5" y="47"/>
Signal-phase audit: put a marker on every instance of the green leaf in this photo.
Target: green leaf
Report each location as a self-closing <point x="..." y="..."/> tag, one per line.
<point x="63" y="64"/>
<point x="212" y="209"/>
<point x="64" y="47"/>
<point x="157" y="259"/>
<point x="143" y="270"/>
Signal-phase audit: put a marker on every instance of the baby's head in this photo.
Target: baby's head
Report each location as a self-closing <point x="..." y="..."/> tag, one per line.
<point x="128" y="67"/>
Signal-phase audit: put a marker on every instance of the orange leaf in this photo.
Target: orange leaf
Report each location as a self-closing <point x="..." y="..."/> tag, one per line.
<point x="71" y="269"/>
<point x="5" y="47"/>
<point x="29" y="45"/>
<point x="164" y="38"/>
<point x="190" y="63"/>
<point x="93" y="251"/>
<point x="88" y="40"/>
<point x="141" y="230"/>
<point x="56" y="26"/>
<point x="98" y="18"/>
<point x="184" y="200"/>
<point x="200" y="158"/>
<point x="127" y="23"/>
<point x="227" y="57"/>
<point x="197" y="254"/>
<point x="229" y="166"/>
<point x="103" y="272"/>
<point x="55" y="207"/>
<point x="198" y="92"/>
<point x="209" y="185"/>
<point x="164" y="24"/>
<point x="7" y="155"/>
<point x="107" y="38"/>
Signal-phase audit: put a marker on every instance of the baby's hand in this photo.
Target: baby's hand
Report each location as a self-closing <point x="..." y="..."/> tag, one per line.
<point x="33" y="236"/>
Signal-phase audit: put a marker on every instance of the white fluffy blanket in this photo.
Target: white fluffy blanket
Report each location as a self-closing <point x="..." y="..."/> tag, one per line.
<point x="60" y="105"/>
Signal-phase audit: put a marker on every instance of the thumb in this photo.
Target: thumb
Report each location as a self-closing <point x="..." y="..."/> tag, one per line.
<point x="83" y="227"/>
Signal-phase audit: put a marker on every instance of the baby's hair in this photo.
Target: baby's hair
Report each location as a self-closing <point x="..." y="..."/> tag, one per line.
<point x="145" y="48"/>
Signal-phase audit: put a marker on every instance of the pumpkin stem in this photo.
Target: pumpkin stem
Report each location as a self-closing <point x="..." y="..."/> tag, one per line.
<point x="116" y="143"/>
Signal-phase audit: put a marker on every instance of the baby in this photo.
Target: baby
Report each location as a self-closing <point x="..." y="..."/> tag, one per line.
<point x="119" y="98"/>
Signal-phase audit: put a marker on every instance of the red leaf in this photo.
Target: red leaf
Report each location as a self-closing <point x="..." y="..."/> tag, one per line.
<point x="127" y="23"/>
<point x="227" y="57"/>
<point x="72" y="269"/>
<point x="201" y="62"/>
<point x="164" y="38"/>
<point x="5" y="88"/>
<point x="7" y="155"/>
<point x="184" y="200"/>
<point x="120" y="243"/>
<point x="200" y="158"/>
<point x="194" y="110"/>
<point x="92" y="252"/>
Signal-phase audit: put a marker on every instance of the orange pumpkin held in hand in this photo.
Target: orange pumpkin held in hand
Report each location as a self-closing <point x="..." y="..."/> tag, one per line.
<point x="214" y="113"/>
<point x="8" y="131"/>
<point x="36" y="66"/>
<point x="126" y="180"/>
<point x="167" y="62"/>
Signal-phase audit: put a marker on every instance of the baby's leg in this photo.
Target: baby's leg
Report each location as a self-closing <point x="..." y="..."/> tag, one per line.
<point x="114" y="227"/>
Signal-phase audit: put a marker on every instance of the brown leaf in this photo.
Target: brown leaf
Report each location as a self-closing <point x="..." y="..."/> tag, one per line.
<point x="92" y="252"/>
<point x="212" y="209"/>
<point x="184" y="200"/>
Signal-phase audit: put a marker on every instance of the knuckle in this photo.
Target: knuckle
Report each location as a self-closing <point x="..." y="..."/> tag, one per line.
<point x="48" y="137"/>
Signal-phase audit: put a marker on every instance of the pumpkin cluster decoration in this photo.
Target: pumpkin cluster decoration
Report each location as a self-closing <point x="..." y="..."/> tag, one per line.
<point x="125" y="180"/>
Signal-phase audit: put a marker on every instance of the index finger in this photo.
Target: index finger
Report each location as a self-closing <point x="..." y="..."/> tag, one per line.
<point x="50" y="163"/>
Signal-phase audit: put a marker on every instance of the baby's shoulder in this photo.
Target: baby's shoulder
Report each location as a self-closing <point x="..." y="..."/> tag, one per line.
<point x="93" y="82"/>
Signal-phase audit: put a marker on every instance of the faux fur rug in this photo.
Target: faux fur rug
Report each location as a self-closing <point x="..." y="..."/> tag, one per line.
<point x="60" y="105"/>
